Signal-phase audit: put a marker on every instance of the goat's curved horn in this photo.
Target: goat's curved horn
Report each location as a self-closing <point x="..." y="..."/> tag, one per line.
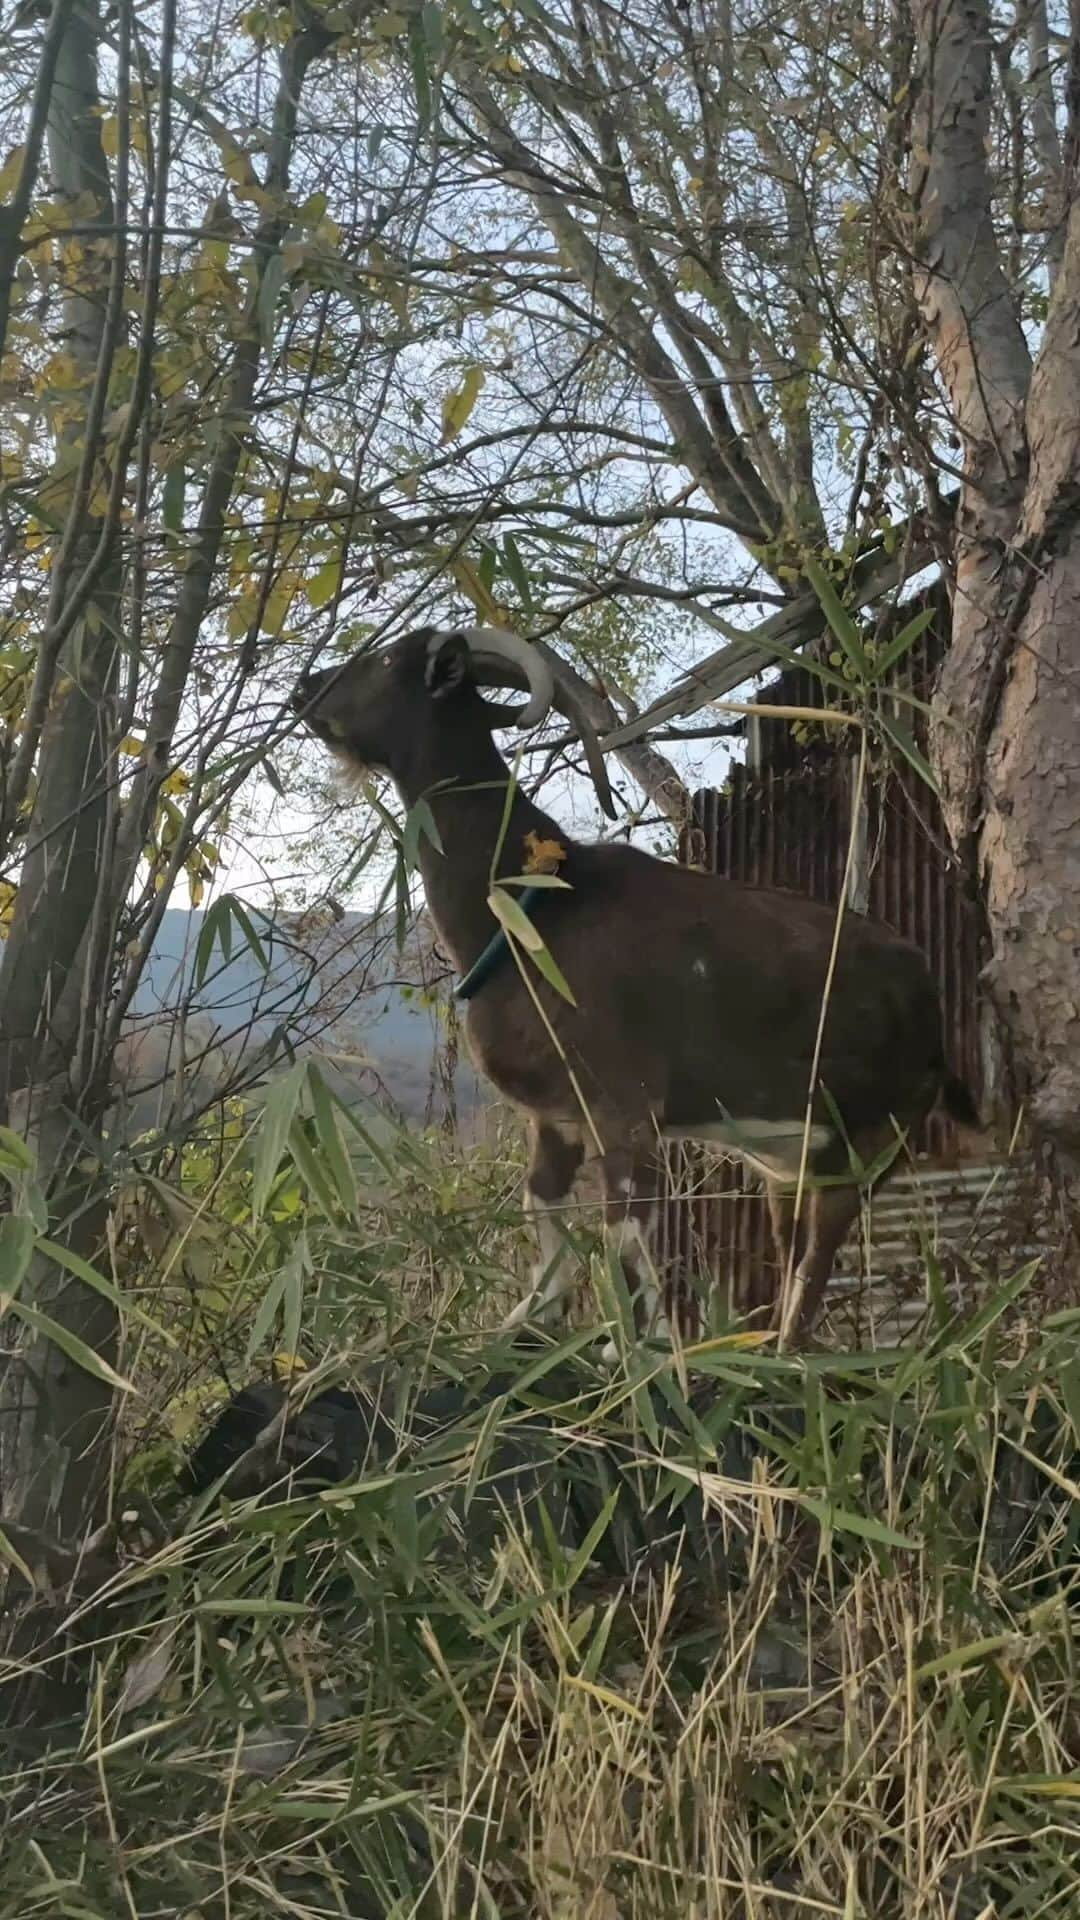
<point x="495" y="645"/>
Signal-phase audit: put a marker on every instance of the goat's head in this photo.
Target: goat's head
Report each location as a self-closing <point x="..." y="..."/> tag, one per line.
<point x="377" y="707"/>
<point x="383" y="695"/>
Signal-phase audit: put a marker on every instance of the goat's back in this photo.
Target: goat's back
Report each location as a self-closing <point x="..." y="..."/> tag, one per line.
<point x="701" y="997"/>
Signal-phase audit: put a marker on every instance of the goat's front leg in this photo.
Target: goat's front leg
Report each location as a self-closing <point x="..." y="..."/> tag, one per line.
<point x="554" y="1162"/>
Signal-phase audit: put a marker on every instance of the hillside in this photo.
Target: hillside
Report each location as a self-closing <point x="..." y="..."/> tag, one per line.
<point x="336" y="989"/>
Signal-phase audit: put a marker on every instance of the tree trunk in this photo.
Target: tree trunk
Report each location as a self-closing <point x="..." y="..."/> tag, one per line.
<point x="56" y="1412"/>
<point x="1006" y="738"/>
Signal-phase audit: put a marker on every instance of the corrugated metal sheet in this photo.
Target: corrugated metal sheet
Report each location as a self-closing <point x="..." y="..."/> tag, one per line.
<point x="786" y="822"/>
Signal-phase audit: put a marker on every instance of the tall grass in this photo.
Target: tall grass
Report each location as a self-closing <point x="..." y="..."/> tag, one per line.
<point x="754" y="1636"/>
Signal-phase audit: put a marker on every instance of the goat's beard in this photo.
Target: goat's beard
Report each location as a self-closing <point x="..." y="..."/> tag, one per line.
<point x="354" y="774"/>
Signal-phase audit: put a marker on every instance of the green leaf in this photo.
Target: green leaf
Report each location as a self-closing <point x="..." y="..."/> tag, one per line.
<point x="418" y="821"/>
<point x="240" y="914"/>
<point x="965" y="1656"/>
<point x="512" y="916"/>
<point x="902" y="739"/>
<point x="840" y="1520"/>
<point x="331" y="1143"/>
<point x="270" y="286"/>
<point x="14" y="1559"/>
<point x="292" y="1299"/>
<point x="431" y="20"/>
<point x="515" y="570"/>
<point x="545" y="963"/>
<point x="266" y="1313"/>
<point x="458" y="405"/>
<point x="993" y="1308"/>
<point x="216" y="926"/>
<point x="311" y="1170"/>
<point x="838" y="617"/>
<point x="16" y="1246"/>
<point x="232" y="1607"/>
<point x="70" y="1344"/>
<point x="580" y="1560"/>
<point x="323" y="586"/>
<point x="14" y="1150"/>
<point x="274" y="777"/>
<point x="90" y="1277"/>
<point x="903" y="642"/>
<point x="172" y="500"/>
<point x="278" y="1113"/>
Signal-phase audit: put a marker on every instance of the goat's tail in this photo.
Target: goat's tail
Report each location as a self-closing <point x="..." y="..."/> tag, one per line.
<point x="956" y="1098"/>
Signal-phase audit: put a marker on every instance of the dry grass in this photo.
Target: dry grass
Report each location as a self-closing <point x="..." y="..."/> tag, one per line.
<point x="796" y="1640"/>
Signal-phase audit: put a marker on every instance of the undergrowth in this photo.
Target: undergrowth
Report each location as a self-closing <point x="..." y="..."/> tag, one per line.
<point x="715" y="1634"/>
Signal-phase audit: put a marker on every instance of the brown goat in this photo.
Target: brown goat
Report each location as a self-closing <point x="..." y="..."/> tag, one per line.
<point x="697" y="999"/>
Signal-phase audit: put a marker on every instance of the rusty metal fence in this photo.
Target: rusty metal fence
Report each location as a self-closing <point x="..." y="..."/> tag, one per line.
<point x="789" y="825"/>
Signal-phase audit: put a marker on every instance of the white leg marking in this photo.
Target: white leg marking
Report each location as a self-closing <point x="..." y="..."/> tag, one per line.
<point x="552" y="1276"/>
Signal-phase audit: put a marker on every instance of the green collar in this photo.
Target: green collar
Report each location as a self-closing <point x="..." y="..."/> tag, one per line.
<point x="482" y="969"/>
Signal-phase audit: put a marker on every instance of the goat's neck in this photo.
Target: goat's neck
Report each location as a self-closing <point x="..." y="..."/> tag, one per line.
<point x="468" y="812"/>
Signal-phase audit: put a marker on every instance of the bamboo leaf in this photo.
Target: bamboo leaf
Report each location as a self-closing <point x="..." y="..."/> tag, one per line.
<point x="458" y="405"/>
<point x="278" y="1113"/>
<point x="124" y="1304"/>
<point x="841" y="1520"/>
<point x="69" y="1343"/>
<point x="903" y="642"/>
<point x="331" y="1143"/>
<point x="511" y="915"/>
<point x="544" y="962"/>
<point x="516" y="573"/>
<point x="16" y="1247"/>
<point x="903" y="740"/>
<point x="14" y="1151"/>
<point x="838" y="617"/>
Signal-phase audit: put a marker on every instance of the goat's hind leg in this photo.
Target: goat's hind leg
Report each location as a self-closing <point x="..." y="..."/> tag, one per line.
<point x="554" y="1161"/>
<point x="632" y="1192"/>
<point x="829" y="1212"/>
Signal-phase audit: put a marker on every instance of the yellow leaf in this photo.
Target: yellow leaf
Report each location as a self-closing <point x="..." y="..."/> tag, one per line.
<point x="542" y="856"/>
<point x="284" y="1365"/>
<point x="110" y="136"/>
<point x="605" y="1695"/>
<point x="60" y="374"/>
<point x="458" y="405"/>
<point x="470" y="582"/>
<point x="131" y="746"/>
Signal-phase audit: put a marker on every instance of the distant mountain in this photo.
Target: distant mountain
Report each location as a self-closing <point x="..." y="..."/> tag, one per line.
<point x="337" y="989"/>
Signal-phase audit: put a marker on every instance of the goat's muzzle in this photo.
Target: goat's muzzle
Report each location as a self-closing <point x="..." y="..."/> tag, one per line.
<point x="306" y="691"/>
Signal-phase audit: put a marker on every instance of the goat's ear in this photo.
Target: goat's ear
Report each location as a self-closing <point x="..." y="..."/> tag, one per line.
<point x="447" y="664"/>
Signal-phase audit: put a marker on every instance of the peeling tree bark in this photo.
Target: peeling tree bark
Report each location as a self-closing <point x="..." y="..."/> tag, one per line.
<point x="1006" y="738"/>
